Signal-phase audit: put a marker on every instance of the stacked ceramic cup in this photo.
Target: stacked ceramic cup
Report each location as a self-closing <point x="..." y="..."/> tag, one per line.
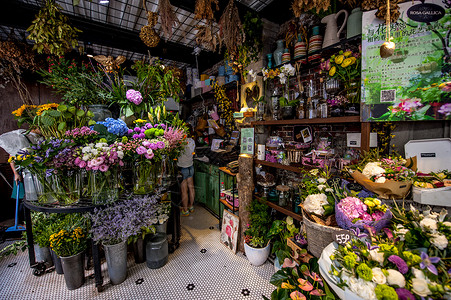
<point x="315" y="44"/>
<point x="300" y="49"/>
<point x="286" y="56"/>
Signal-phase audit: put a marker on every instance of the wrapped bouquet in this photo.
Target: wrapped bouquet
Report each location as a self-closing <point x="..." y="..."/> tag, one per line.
<point x="388" y="177"/>
<point x="353" y="212"/>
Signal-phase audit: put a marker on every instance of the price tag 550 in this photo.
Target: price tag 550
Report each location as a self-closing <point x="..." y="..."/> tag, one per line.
<point x="342" y="237"/>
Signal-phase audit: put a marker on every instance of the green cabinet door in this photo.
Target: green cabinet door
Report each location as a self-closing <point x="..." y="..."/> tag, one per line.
<point x="201" y="186"/>
<point x="213" y="196"/>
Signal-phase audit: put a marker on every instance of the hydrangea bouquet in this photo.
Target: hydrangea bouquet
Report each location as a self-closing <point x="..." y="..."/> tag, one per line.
<point x="353" y="212"/>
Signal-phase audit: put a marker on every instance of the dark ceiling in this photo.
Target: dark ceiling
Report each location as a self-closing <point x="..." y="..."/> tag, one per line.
<point x="113" y="29"/>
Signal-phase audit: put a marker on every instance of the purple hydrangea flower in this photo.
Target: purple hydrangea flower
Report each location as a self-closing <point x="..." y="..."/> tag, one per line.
<point x="400" y="263"/>
<point x="141" y="150"/>
<point x="445" y="109"/>
<point x="134" y="96"/>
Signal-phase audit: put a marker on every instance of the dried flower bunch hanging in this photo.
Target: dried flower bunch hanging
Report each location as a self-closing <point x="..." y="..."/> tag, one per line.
<point x="382" y="10"/>
<point x="206" y="39"/>
<point x="167" y="17"/>
<point x="369" y="5"/>
<point x="351" y="3"/>
<point x="148" y="35"/>
<point x="230" y="28"/>
<point x="301" y="6"/>
<point x="51" y="32"/>
<point x="18" y="55"/>
<point x="203" y="9"/>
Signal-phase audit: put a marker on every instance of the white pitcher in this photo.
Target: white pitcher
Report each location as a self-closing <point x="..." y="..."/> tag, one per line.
<point x="332" y="33"/>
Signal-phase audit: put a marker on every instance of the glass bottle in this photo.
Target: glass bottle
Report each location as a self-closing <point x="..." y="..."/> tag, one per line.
<point x="322" y="105"/>
<point x="300" y="112"/>
<point x="310" y="109"/>
<point x="275" y="104"/>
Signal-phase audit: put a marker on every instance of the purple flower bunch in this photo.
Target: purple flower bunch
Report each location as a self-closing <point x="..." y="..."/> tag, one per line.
<point x="147" y="147"/>
<point x="115" y="224"/>
<point x="134" y="96"/>
<point x="147" y="131"/>
<point x="99" y="156"/>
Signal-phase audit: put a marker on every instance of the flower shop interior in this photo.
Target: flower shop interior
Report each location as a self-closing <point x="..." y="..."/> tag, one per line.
<point x="213" y="149"/>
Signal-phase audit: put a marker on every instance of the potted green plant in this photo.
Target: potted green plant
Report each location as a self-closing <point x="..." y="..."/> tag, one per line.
<point x="41" y="235"/>
<point x="280" y="231"/>
<point x="256" y="238"/>
<point x="287" y="107"/>
<point x="69" y="241"/>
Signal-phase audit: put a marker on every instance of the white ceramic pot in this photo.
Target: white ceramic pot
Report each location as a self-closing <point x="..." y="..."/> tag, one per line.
<point x="257" y="256"/>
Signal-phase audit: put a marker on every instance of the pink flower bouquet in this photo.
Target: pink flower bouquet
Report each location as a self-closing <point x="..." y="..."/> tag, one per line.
<point x="353" y="212"/>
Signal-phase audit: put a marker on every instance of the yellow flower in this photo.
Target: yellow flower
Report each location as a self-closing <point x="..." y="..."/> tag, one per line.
<point x="346" y="62"/>
<point x="45" y="107"/>
<point x="140" y="121"/>
<point x="369" y="203"/>
<point x="353" y="60"/>
<point x="339" y="59"/>
<point x="18" y="112"/>
<point x="332" y="71"/>
<point x="347" y="53"/>
<point x="10" y="159"/>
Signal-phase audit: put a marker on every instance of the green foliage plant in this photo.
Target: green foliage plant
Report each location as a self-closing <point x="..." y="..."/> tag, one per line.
<point x="51" y="32"/>
<point x="280" y="231"/>
<point x="257" y="234"/>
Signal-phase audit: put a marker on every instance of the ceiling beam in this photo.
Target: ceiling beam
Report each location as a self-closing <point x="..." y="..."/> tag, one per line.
<point x="20" y="15"/>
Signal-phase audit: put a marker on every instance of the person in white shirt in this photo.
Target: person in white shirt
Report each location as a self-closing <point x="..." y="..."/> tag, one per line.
<point x="185" y="163"/>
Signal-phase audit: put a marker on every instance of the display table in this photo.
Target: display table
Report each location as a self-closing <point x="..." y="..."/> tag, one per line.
<point x="84" y="206"/>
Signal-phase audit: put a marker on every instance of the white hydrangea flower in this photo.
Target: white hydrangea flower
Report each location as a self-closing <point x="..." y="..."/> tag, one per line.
<point x="314" y="203"/>
<point x="372" y="169"/>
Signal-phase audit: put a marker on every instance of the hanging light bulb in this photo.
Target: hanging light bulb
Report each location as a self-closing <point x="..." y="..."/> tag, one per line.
<point x="388" y="47"/>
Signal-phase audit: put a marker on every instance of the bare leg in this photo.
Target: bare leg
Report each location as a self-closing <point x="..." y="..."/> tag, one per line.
<point x="192" y="193"/>
<point x="185" y="194"/>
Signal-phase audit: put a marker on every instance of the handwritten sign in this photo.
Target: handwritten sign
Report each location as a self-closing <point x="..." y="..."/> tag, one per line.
<point x="342" y="237"/>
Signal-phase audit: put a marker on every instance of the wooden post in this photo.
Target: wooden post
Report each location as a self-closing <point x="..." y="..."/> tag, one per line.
<point x="365" y="136"/>
<point x="245" y="182"/>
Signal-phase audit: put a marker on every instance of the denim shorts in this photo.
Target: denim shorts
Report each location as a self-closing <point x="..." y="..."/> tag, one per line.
<point x="187" y="172"/>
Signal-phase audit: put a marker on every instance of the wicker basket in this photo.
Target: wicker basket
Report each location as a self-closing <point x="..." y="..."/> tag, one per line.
<point x="318" y="236"/>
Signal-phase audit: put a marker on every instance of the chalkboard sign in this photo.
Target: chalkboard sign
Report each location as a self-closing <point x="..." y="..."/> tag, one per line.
<point x="342" y="237"/>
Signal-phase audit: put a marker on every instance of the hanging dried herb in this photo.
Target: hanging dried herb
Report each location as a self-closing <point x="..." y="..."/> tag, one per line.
<point x="148" y="35"/>
<point x="230" y="28"/>
<point x="51" y="31"/>
<point x="206" y="39"/>
<point x="203" y="10"/>
<point x="369" y="5"/>
<point x="302" y="6"/>
<point x="382" y="10"/>
<point x="167" y="17"/>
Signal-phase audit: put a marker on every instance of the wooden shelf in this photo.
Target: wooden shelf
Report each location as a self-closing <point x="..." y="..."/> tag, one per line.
<point x="350" y="119"/>
<point x="227" y="171"/>
<point x="280" y="166"/>
<point x="227" y="204"/>
<point x="280" y="209"/>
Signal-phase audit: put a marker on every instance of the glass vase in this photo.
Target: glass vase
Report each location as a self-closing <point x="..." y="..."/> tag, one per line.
<point x="147" y="175"/>
<point x="103" y="187"/>
<point x="44" y="187"/>
<point x="67" y="185"/>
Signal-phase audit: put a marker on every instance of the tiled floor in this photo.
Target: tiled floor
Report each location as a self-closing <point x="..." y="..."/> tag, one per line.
<point x="201" y="268"/>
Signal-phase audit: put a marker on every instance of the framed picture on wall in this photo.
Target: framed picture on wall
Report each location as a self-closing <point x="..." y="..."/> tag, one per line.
<point x="229" y="231"/>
